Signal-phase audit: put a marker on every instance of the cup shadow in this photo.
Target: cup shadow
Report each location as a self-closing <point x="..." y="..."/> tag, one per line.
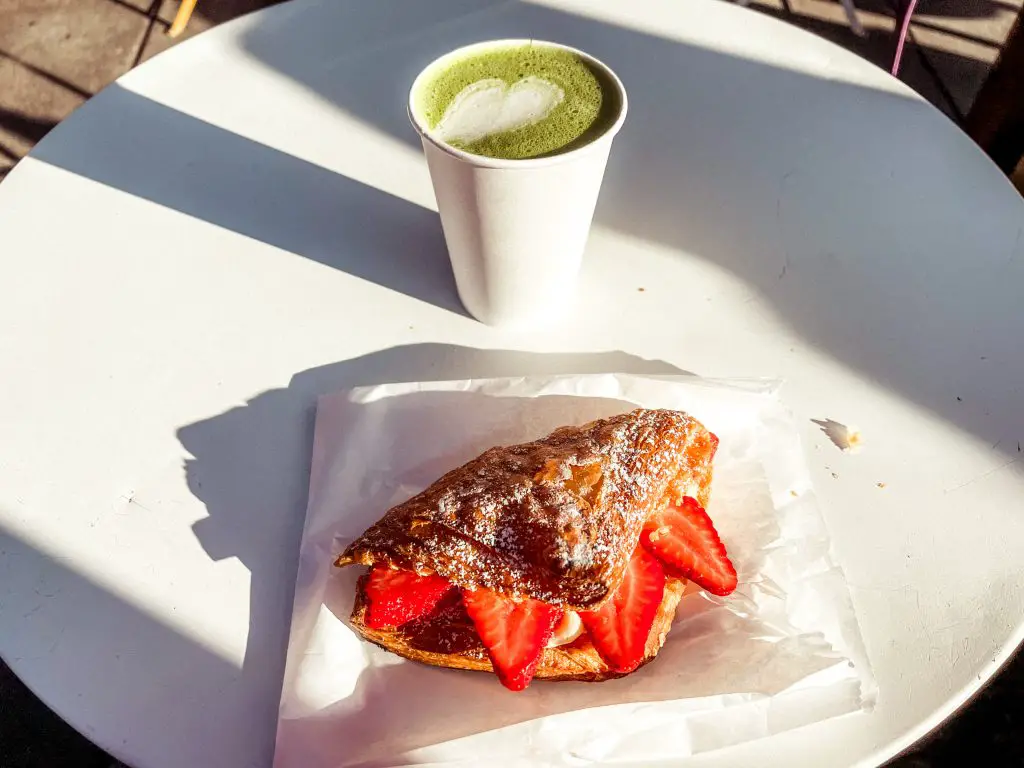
<point x="181" y="162"/>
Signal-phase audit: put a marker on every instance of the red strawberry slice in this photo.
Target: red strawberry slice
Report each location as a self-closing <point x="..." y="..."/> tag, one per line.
<point x="397" y="597"/>
<point x="619" y="628"/>
<point x="513" y="631"/>
<point x="686" y="540"/>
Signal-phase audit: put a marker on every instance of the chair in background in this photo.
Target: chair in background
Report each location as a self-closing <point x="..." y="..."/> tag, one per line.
<point x="181" y="17"/>
<point x="904" y="13"/>
<point x="996" y="119"/>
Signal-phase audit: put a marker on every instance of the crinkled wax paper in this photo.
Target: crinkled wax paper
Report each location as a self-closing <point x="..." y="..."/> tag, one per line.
<point x="784" y="650"/>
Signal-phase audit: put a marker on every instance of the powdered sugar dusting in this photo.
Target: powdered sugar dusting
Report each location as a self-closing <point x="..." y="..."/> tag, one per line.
<point x="555" y="519"/>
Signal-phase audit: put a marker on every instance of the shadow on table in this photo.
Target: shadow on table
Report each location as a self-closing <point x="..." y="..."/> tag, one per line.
<point x="175" y="160"/>
<point x="251" y="470"/>
<point x="158" y="678"/>
<point x="820" y="194"/>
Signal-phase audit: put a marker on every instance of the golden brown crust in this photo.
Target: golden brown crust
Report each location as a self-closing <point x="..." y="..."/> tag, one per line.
<point x="556" y="519"/>
<point x="448" y="639"/>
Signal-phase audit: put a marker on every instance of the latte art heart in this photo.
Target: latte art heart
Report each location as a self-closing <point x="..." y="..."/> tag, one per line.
<point x="513" y="102"/>
<point x="489" y="107"/>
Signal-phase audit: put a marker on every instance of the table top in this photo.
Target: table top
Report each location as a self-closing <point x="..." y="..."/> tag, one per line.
<point x="247" y="222"/>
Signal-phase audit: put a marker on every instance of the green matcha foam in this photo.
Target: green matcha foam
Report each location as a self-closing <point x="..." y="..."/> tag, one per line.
<point x="514" y="102"/>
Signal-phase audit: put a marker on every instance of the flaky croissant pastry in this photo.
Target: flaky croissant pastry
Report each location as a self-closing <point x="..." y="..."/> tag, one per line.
<point x="561" y="559"/>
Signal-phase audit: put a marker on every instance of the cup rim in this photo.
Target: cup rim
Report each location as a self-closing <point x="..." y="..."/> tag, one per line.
<point x="528" y="162"/>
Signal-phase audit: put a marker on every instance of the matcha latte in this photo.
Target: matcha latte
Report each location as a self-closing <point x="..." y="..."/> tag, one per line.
<point x="516" y="101"/>
<point x="516" y="135"/>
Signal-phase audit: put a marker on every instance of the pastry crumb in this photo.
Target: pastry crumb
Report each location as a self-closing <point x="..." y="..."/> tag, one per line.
<point x="848" y="439"/>
<point x="658" y="533"/>
<point x="880" y="485"/>
<point x="854" y="440"/>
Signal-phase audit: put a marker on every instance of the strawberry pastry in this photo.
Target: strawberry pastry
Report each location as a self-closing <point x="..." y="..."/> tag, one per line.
<point x="560" y="559"/>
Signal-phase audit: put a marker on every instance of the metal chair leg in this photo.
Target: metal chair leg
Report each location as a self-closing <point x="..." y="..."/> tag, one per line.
<point x="182" y="17"/>
<point x="851" y="16"/>
<point x="905" y="12"/>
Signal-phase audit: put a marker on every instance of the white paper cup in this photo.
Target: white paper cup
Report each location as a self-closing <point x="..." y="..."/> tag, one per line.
<point x="516" y="229"/>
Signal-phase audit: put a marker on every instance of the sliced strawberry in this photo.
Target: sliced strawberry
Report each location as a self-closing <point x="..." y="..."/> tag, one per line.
<point x="686" y="540"/>
<point x="514" y="632"/>
<point x="396" y="597"/>
<point x="619" y="628"/>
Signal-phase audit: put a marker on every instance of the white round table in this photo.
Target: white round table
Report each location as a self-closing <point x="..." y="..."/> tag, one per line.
<point x="247" y="222"/>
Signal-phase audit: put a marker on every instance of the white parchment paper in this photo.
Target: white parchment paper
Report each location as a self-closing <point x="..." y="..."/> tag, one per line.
<point x="784" y="650"/>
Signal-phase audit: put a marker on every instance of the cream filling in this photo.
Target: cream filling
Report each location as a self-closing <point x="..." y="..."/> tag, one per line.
<point x="691" y="489"/>
<point x="568" y="629"/>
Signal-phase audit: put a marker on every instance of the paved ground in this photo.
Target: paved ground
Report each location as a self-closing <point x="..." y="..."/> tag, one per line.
<point x="54" y="54"/>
